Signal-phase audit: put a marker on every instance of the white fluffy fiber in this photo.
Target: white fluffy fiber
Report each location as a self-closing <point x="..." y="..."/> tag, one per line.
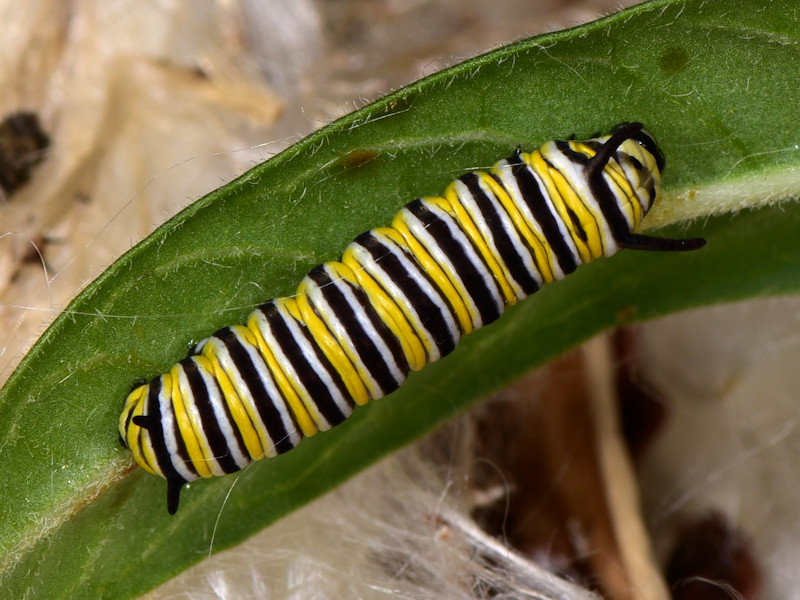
<point x="398" y="531"/>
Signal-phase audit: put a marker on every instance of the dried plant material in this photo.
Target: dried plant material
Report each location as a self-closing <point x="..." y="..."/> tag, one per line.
<point x="732" y="443"/>
<point x="122" y="99"/>
<point x="398" y="530"/>
<point x="643" y="412"/>
<point x="554" y="439"/>
<point x="620" y="483"/>
<point x="713" y="561"/>
<point x="538" y="440"/>
<point x="22" y="145"/>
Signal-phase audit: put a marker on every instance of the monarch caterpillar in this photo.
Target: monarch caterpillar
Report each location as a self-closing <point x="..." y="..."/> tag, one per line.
<point x="399" y="298"/>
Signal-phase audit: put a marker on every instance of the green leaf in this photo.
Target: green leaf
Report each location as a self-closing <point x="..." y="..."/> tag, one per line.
<point x="714" y="80"/>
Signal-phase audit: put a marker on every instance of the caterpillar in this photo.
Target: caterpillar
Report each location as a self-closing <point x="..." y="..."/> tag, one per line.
<point x="399" y="298"/>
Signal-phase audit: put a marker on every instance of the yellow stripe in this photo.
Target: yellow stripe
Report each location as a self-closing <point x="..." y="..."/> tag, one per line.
<point x="587" y="219"/>
<point x="592" y="220"/>
<point x="452" y="204"/>
<point x="488" y="236"/>
<point x="134" y="406"/>
<point x="390" y="312"/>
<point x="624" y="191"/>
<point x="233" y="399"/>
<point x="147" y="445"/>
<point x="582" y="148"/>
<point x="247" y="338"/>
<point x="133" y="401"/>
<point x="541" y="251"/>
<point x="625" y="194"/>
<point x="414" y="319"/>
<point x="566" y="198"/>
<point x="299" y="412"/>
<point x="292" y="311"/>
<point x="537" y="237"/>
<point x="556" y="187"/>
<point x="148" y="454"/>
<point x="345" y="341"/>
<point x="444" y="278"/>
<point x="198" y="451"/>
<point x="330" y="347"/>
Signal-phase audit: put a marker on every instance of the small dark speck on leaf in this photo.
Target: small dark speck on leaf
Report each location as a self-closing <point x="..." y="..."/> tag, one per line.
<point x="673" y="60"/>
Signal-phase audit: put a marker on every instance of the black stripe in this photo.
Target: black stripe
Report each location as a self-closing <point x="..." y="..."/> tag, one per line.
<point x="310" y="379"/>
<point x="534" y="198"/>
<point x="265" y="404"/>
<point x="531" y="249"/>
<point x="429" y="313"/>
<point x="506" y="248"/>
<point x="485" y="299"/>
<point x="643" y="137"/>
<point x="365" y="346"/>
<point x="128" y="419"/>
<point x="389" y="338"/>
<point x="208" y="419"/>
<point x="601" y="190"/>
<point x="583" y="160"/>
<point x="382" y="290"/>
<point x="575" y="156"/>
<point x="155" y="429"/>
<point x="612" y="211"/>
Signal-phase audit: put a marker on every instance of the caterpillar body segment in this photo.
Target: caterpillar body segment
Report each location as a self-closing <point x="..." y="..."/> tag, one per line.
<point x="400" y="297"/>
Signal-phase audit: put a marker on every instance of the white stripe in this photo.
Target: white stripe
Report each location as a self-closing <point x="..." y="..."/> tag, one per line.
<point x="417" y="273"/>
<point x="168" y="429"/>
<point x="504" y="171"/>
<point x="274" y="396"/>
<point x="641" y="194"/>
<point x="223" y="421"/>
<point x="644" y="157"/>
<point x="316" y="365"/>
<point x="366" y="324"/>
<point x="266" y="332"/>
<point x="317" y="297"/>
<point x="563" y="227"/>
<point x="420" y="231"/>
<point x="323" y="309"/>
<point x="470" y="204"/>
<point x="517" y="240"/>
<point x="576" y="177"/>
<point x="462" y="239"/>
<point x="372" y="266"/>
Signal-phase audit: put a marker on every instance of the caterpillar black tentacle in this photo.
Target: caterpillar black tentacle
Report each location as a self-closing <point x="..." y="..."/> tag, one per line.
<point x="637" y="241"/>
<point x="400" y="297"/>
